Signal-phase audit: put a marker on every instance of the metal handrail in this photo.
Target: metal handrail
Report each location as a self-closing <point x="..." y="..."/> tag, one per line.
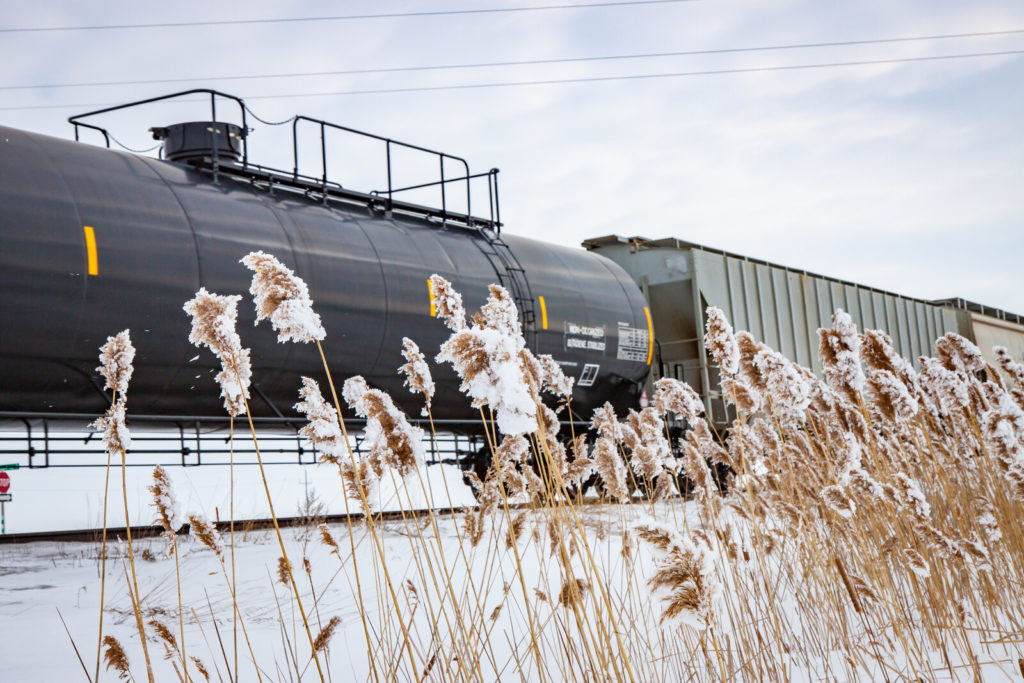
<point x="388" y="142"/>
<point x="214" y="94"/>
<point x="326" y="185"/>
<point x="196" y="440"/>
<point x="19" y="415"/>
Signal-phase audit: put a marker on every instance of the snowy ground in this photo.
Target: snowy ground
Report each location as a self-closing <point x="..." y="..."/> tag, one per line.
<point x="40" y="578"/>
<point x="43" y="577"/>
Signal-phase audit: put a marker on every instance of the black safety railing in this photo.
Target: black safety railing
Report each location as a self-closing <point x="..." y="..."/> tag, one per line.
<point x="77" y="122"/>
<point x="322" y="184"/>
<point x="324" y="126"/>
<point x="390" y="191"/>
<point x="39" y="440"/>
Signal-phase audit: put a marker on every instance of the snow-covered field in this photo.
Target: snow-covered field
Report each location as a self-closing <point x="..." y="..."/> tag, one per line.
<point x="43" y="577"/>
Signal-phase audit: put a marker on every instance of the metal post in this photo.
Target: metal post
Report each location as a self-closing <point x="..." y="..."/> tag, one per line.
<point x="497" y="207"/>
<point x="181" y="440"/>
<point x="28" y="442"/>
<point x="490" y="197"/>
<point x="444" y="207"/>
<point x="323" y="158"/>
<point x="388" y="150"/>
<point x="245" y="140"/>
<point x="213" y="132"/>
<point x="295" y="148"/>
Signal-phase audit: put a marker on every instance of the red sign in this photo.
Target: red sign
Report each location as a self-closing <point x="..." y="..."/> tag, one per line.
<point x="5" y="482"/>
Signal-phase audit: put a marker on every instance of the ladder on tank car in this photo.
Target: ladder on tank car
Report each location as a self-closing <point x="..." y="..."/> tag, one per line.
<point x="511" y="276"/>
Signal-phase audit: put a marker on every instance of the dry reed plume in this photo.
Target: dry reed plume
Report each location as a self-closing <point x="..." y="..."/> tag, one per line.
<point x="116" y="357"/>
<point x="862" y="526"/>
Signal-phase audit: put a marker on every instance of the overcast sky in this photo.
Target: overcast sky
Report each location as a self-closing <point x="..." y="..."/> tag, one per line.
<point x="907" y="176"/>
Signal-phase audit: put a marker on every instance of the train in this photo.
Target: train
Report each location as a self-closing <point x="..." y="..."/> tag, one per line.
<point x="97" y="240"/>
<point x="781" y="306"/>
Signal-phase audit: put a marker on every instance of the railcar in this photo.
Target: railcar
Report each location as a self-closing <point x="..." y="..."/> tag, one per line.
<point x="97" y="240"/>
<point x="781" y="306"/>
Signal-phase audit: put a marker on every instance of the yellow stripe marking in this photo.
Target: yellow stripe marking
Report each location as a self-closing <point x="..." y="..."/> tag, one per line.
<point x="543" y="313"/>
<point x="650" y="335"/>
<point x="433" y="304"/>
<point x="90" y="248"/>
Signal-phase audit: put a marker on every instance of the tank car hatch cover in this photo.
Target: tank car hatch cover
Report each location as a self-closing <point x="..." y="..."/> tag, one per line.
<point x="197" y="139"/>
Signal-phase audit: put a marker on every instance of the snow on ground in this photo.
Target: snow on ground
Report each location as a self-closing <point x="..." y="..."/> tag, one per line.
<point x="38" y="579"/>
<point x="41" y="578"/>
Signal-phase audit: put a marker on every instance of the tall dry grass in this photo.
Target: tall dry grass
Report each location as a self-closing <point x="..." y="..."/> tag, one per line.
<point x="867" y="527"/>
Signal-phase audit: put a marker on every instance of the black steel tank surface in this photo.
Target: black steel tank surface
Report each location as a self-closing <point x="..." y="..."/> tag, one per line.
<point x="95" y="241"/>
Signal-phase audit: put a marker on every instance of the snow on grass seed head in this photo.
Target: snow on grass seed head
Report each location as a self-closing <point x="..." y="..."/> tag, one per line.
<point x="671" y="395"/>
<point x="1003" y="432"/>
<point x="890" y="396"/>
<point x="611" y="468"/>
<point x="323" y="429"/>
<point x="391" y="440"/>
<point x="488" y="357"/>
<point x="606" y="424"/>
<point x="946" y="386"/>
<point x="839" y="349"/>
<point x="206" y="533"/>
<point x="651" y="453"/>
<point x="168" y="513"/>
<point x="554" y="380"/>
<point x="416" y="371"/>
<point x="116" y="437"/>
<point x="448" y="303"/>
<point x="116" y="357"/>
<point x="721" y="342"/>
<point x="214" y="318"/>
<point x="957" y="354"/>
<point x="835" y="497"/>
<point x="790" y="390"/>
<point x="1012" y="368"/>
<point x="282" y="297"/>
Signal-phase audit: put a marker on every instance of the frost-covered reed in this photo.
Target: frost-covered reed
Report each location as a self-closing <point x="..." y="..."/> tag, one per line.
<point x="116" y="358"/>
<point x="859" y="526"/>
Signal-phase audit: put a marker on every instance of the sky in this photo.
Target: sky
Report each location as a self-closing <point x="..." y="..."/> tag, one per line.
<point x="905" y="176"/>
